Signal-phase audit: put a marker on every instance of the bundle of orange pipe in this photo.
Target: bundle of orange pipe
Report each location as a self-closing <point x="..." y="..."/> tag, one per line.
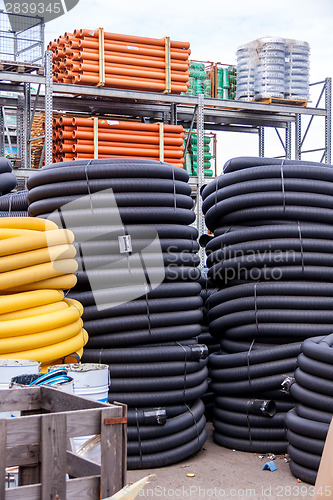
<point x="130" y="62"/>
<point x="83" y="138"/>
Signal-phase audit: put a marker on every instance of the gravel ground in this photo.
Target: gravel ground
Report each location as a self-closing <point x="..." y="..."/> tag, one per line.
<point x="222" y="473"/>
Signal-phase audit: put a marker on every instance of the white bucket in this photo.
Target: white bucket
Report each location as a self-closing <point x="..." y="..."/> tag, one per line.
<point x="91" y="380"/>
<point x="10" y="368"/>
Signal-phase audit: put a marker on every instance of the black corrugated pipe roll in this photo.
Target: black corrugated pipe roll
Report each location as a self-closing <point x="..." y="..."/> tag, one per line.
<point x="144" y="316"/>
<point x="271" y="260"/>
<point x="309" y="422"/>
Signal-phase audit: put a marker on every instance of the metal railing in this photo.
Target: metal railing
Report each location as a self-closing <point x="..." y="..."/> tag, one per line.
<point x="21" y="38"/>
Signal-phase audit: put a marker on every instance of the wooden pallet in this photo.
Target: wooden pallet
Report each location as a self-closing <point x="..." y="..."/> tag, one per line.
<point x="19" y="67"/>
<point x="280" y="100"/>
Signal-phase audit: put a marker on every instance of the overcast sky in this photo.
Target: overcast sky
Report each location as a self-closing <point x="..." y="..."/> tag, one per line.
<point x="215" y="28"/>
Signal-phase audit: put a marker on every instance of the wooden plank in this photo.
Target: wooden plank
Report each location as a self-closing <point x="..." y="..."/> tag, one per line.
<point x="22" y="454"/>
<point x="23" y="430"/>
<point x="25" y="398"/>
<point x="53" y="454"/>
<point x="55" y="400"/>
<point x="86" y="488"/>
<point x="31" y="492"/>
<point x="3" y="440"/>
<point x="26" y="430"/>
<point x="81" y="467"/>
<point x="111" y="453"/>
<point x="124" y="445"/>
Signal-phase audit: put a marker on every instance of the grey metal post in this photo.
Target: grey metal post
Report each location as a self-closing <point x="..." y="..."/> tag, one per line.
<point x="298" y="137"/>
<point x="328" y="120"/>
<point x="261" y="142"/>
<point x="2" y="132"/>
<point x="48" y="107"/>
<point x="20" y="126"/>
<point x="200" y="171"/>
<point x="26" y="126"/>
<point x="288" y="141"/>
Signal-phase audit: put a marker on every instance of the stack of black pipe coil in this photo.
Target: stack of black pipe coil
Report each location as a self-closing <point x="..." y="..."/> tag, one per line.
<point x="309" y="421"/>
<point x="14" y="204"/>
<point x="271" y="257"/>
<point x="7" y="183"/>
<point x="208" y="288"/>
<point x="146" y="334"/>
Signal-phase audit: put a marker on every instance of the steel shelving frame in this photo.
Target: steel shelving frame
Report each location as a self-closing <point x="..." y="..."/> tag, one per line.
<point x="199" y="112"/>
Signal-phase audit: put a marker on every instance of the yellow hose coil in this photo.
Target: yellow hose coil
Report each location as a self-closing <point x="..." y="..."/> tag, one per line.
<point x="33" y="240"/>
<point x="33" y="311"/>
<point x="13" y="279"/>
<point x="31" y="223"/>
<point x="17" y="301"/>
<point x="50" y="353"/>
<point x="39" y="340"/>
<point x="44" y="322"/>
<point x="64" y="282"/>
<point x="35" y="257"/>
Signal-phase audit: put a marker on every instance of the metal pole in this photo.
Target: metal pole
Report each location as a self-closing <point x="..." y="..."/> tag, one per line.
<point x="2" y="132"/>
<point x="200" y="172"/>
<point x="19" y="126"/>
<point x="26" y="125"/>
<point x="288" y="141"/>
<point x="298" y="137"/>
<point x="48" y="107"/>
<point x="328" y="120"/>
<point x="261" y="142"/>
<point x="6" y="131"/>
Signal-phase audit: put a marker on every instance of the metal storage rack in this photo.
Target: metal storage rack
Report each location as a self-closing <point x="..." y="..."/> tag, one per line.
<point x="197" y="111"/>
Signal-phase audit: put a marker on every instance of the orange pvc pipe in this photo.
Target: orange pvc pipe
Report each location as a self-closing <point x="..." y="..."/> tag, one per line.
<point x="122" y="145"/>
<point x="138" y="46"/>
<point x="145" y="84"/>
<point x="137" y="132"/>
<point x="110" y="57"/>
<point x="134" y="71"/>
<point x="131" y="38"/>
<point x="85" y="44"/>
<point x="126" y="125"/>
<point x="130" y="151"/>
<point x="109" y="137"/>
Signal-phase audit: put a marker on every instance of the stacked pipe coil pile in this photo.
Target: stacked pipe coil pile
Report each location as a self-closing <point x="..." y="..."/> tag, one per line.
<point x="147" y="335"/>
<point x="205" y="337"/>
<point x="269" y="77"/>
<point x="245" y="74"/>
<point x="309" y="421"/>
<point x="14" y="204"/>
<point x="7" y="178"/>
<point x="273" y="67"/>
<point x="297" y="79"/>
<point x="191" y="157"/>
<point x="95" y="57"/>
<point x="74" y="139"/>
<point x="37" y="262"/>
<point x="199" y="80"/>
<point x="271" y="257"/>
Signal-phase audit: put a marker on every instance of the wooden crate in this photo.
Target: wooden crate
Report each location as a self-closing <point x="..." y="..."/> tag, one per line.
<point x="39" y="443"/>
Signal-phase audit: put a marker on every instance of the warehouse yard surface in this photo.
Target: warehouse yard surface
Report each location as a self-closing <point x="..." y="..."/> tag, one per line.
<point x="222" y="473"/>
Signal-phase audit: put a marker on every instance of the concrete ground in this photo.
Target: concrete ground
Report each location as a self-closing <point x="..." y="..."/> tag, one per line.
<point x="222" y="473"/>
